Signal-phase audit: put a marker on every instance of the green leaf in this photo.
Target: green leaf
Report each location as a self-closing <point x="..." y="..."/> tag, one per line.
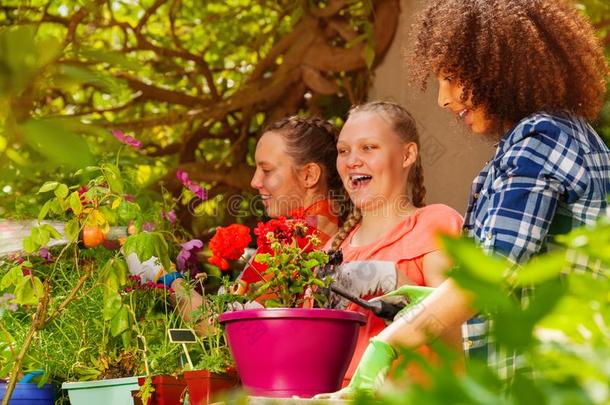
<point x="148" y="244"/>
<point x="472" y="259"/>
<point x="48" y="186"/>
<point x="28" y="291"/>
<point x="108" y="213"/>
<point x="540" y="269"/>
<point x="113" y="58"/>
<point x="44" y="210"/>
<point x="40" y="236"/>
<point x="51" y="139"/>
<point x="72" y="229"/>
<point x="51" y="231"/>
<point x="62" y="191"/>
<point x="70" y="75"/>
<point x="29" y="245"/>
<point x="114" y="275"/>
<point x="75" y="203"/>
<point x="11" y="277"/>
<point x="120" y="321"/>
<point x="113" y="177"/>
<point x="112" y="306"/>
<point x="128" y="211"/>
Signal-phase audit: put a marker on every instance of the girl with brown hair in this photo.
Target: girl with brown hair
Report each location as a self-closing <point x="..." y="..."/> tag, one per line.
<point x="295" y="171"/>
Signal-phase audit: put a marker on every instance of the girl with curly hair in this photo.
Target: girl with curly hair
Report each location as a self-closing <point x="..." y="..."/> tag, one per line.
<point x="529" y="73"/>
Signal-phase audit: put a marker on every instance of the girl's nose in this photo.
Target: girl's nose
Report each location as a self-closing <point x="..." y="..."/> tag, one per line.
<point x="353" y="160"/>
<point x="444" y="97"/>
<point x="256" y="181"/>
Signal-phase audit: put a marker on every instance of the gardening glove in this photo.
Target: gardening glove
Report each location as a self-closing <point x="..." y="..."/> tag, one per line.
<point x="406" y="295"/>
<point x="149" y="270"/>
<point x="238" y="306"/>
<point x="371" y="372"/>
<point x="362" y="278"/>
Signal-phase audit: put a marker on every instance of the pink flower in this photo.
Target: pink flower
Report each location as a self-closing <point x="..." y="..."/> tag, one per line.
<point x="187" y="258"/>
<point x="126" y="139"/>
<point x="44" y="253"/>
<point x="170" y="216"/>
<point x="188" y="183"/>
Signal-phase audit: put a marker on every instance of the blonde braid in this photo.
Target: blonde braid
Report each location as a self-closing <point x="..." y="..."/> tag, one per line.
<point x="418" y="189"/>
<point x="352" y="220"/>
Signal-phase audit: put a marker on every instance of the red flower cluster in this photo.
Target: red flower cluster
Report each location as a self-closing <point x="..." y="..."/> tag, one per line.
<point x="284" y="231"/>
<point x="228" y="244"/>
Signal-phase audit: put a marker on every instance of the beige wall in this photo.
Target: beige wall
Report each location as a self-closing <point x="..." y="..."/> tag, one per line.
<point x="451" y="155"/>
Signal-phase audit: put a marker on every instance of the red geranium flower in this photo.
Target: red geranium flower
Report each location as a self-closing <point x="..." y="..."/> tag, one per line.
<point x="228" y="244"/>
<point x="284" y="231"/>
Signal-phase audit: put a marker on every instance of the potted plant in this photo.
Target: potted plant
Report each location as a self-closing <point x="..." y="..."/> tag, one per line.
<point x="104" y="335"/>
<point x="214" y="372"/>
<point x="209" y="371"/>
<point x="289" y="347"/>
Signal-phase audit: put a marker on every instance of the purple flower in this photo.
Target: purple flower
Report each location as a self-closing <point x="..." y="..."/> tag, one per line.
<point x="126" y="139"/>
<point x="46" y="255"/>
<point x="170" y="216"/>
<point x="148" y="227"/>
<point x="188" y="183"/>
<point x="198" y="191"/>
<point x="183" y="177"/>
<point x="187" y="258"/>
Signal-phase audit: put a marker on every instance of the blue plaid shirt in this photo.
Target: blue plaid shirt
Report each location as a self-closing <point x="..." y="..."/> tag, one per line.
<point x="550" y="173"/>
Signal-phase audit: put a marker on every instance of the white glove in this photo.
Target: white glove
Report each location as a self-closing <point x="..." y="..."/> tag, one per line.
<point x="363" y="278"/>
<point x="238" y="306"/>
<point x="149" y="270"/>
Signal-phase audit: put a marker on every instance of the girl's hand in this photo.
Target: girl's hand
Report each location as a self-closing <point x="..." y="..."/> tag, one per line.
<point x="363" y="278"/>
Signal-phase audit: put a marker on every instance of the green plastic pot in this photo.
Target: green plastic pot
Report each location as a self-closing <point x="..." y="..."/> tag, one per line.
<point x="116" y="391"/>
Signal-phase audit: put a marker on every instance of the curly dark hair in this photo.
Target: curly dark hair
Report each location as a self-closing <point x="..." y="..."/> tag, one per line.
<point x="515" y="57"/>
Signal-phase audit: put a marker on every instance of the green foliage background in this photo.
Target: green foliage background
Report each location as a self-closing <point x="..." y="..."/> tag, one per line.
<point x="194" y="81"/>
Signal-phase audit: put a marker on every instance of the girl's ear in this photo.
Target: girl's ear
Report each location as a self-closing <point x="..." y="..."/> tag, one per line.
<point x="310" y="175"/>
<point x="410" y="154"/>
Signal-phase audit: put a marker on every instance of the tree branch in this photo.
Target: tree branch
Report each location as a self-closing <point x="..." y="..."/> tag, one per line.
<point x="150" y="92"/>
<point x="149" y="12"/>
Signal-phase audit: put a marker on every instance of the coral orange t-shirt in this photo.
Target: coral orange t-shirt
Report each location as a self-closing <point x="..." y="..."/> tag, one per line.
<point x="406" y="244"/>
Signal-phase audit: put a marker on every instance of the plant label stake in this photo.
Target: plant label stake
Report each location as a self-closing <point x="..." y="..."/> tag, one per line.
<point x="183" y="336"/>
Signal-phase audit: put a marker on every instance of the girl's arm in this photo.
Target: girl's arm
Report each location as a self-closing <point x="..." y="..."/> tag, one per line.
<point x="446" y="308"/>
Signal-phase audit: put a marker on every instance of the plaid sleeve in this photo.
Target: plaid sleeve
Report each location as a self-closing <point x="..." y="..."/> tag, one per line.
<point x="531" y="177"/>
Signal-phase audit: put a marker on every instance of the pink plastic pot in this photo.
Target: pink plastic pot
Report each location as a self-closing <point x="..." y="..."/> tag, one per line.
<point x="284" y="352"/>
